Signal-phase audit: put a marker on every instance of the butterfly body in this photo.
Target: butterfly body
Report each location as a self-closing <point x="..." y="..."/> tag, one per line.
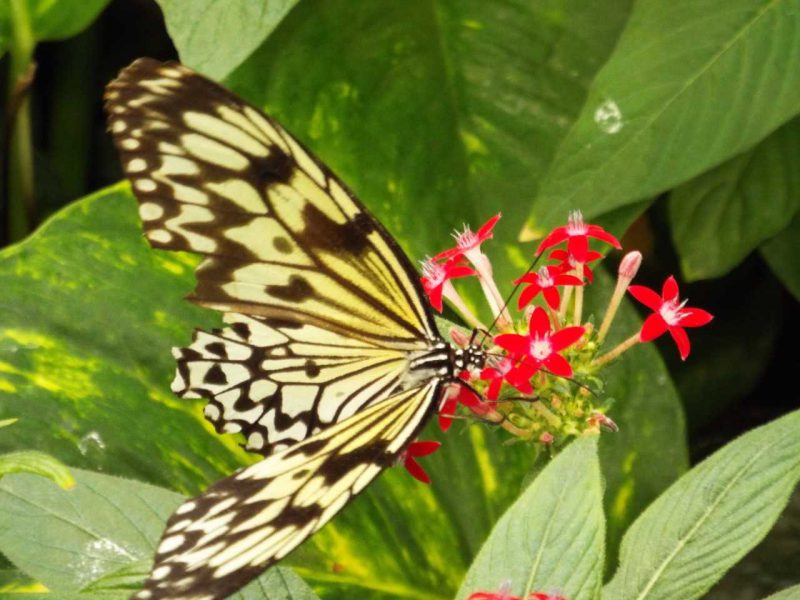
<point x="330" y="363"/>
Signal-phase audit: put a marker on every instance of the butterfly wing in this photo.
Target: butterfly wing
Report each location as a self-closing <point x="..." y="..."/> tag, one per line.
<point x="217" y="542"/>
<point x="278" y="382"/>
<point x="285" y="243"/>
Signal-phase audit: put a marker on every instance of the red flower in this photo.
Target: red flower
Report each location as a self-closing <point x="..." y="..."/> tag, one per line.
<point x="669" y="314"/>
<point x="545" y="281"/>
<point x="455" y="395"/>
<point x="436" y="276"/>
<point x="467" y="241"/>
<point x="510" y="370"/>
<point x="504" y="595"/>
<point x="541" y="596"/>
<point x="577" y="235"/>
<point x="568" y="262"/>
<point x="541" y="346"/>
<point x="407" y="457"/>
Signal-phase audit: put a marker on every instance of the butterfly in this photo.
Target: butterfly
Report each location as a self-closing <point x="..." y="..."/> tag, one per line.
<point x="330" y="363"/>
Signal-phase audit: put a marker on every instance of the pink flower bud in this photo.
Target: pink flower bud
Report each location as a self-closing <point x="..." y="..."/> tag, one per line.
<point x="459" y="338"/>
<point x="630" y="265"/>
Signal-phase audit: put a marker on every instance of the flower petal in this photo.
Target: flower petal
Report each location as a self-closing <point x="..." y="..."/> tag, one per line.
<point x="540" y="323"/>
<point x="513" y="342"/>
<point x="527" y="295"/>
<point x="681" y="340"/>
<point x="435" y="296"/>
<point x="670" y="289"/>
<point x="423" y="448"/>
<point x="578" y="247"/>
<point x="552" y="297"/>
<point x="558" y="235"/>
<point x="695" y="317"/>
<point x="654" y="326"/>
<point x="566" y="337"/>
<point x="646" y="296"/>
<point x="493" y="391"/>
<point x="485" y="232"/>
<point x="558" y="365"/>
<point x="446" y="412"/>
<point x="449" y="253"/>
<point x="416" y="471"/>
<point x="599" y="233"/>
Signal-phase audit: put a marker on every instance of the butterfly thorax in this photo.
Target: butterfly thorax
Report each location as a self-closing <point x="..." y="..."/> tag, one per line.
<point x="442" y="361"/>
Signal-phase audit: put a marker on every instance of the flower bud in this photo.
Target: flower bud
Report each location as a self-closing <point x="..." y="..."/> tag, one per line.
<point x="630" y="265"/>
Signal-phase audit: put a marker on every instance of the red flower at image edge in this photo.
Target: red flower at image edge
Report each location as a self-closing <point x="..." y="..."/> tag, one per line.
<point x="545" y="281"/>
<point x="436" y="276"/>
<point x="506" y="596"/>
<point x="576" y="233"/>
<point x="669" y="314"/>
<point x="467" y="241"/>
<point x="415" y="449"/>
<point x="541" y="346"/>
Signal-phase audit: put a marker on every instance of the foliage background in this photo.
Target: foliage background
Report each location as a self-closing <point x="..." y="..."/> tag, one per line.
<point x="671" y="123"/>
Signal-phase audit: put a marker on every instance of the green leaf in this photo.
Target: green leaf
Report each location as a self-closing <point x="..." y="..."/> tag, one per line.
<point x="97" y="540"/>
<point x="721" y="216"/>
<point x="552" y="537"/>
<point x="792" y="593"/>
<point x="781" y="255"/>
<point x="215" y="37"/>
<point x="38" y="463"/>
<point x="653" y="116"/>
<point x="52" y="19"/>
<point x="711" y="517"/>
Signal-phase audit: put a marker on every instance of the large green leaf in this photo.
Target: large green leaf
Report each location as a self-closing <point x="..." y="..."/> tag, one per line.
<point x="711" y="517"/>
<point x="552" y="537"/>
<point x="781" y="255"/>
<point x="214" y="37"/>
<point x="721" y="216"/>
<point x="97" y="540"/>
<point x="690" y="84"/>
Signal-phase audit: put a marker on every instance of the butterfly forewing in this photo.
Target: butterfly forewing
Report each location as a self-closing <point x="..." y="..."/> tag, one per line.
<point x="286" y="245"/>
<point x="217" y="542"/>
<point x="282" y="236"/>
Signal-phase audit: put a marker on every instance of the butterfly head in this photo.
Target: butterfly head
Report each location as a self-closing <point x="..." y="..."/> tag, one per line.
<point x="470" y="358"/>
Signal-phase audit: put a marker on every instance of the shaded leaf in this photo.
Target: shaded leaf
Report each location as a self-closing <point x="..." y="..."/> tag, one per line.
<point x="721" y="216"/>
<point x="552" y="537"/>
<point x="215" y="37"/>
<point x="781" y="255"/>
<point x="711" y="517"/>
<point x="652" y="118"/>
<point x="52" y="19"/>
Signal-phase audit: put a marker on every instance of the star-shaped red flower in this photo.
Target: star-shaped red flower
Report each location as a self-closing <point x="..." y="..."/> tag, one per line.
<point x="545" y="281"/>
<point x="510" y="370"/>
<point x="576" y="233"/>
<point x="540" y="347"/>
<point x="436" y="276"/>
<point x="669" y="314"/>
<point x="468" y="241"/>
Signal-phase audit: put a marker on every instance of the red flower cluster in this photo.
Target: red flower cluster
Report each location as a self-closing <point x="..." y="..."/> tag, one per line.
<point x="504" y="595"/>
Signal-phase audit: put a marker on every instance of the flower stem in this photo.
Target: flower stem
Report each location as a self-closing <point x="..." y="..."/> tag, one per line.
<point x="455" y="298"/>
<point x="19" y="168"/>
<point x="612" y="354"/>
<point x="565" y="300"/>
<point x="627" y="271"/>
<point x="578" y="310"/>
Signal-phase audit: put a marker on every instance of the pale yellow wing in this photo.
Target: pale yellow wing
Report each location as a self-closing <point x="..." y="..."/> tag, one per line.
<point x="217" y="542"/>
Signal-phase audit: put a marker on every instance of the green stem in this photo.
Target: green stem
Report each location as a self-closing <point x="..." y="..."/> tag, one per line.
<point x="20" y="149"/>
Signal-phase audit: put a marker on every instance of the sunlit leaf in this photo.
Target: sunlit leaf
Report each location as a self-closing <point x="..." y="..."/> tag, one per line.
<point x="552" y="537"/>
<point x="38" y="463"/>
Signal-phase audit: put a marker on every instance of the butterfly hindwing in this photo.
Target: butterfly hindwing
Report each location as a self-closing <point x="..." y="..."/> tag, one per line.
<point x="282" y="236"/>
<point x="279" y="382"/>
<point x="217" y="542"/>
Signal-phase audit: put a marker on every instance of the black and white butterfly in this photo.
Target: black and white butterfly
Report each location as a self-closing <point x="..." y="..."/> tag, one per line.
<point x="331" y="363"/>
